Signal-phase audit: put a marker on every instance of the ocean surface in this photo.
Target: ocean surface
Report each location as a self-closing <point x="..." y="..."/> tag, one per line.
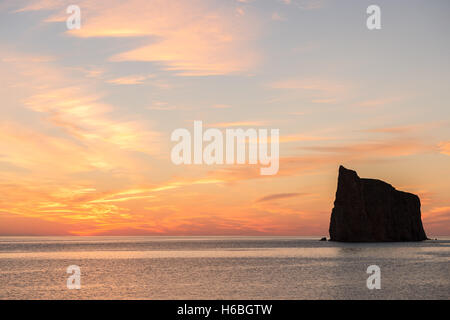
<point x="221" y="268"/>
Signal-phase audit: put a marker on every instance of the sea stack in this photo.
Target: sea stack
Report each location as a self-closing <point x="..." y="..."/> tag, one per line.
<point x="370" y="210"/>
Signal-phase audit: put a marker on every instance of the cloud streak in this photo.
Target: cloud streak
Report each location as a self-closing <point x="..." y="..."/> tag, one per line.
<point x="278" y="196"/>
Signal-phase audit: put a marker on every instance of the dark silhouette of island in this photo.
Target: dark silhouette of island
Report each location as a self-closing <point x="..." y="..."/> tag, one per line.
<point x="370" y="210"/>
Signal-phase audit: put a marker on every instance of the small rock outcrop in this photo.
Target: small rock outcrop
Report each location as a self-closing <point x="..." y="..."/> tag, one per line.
<point x="369" y="210"/>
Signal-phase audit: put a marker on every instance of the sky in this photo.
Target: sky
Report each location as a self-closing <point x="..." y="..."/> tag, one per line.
<point x="87" y="114"/>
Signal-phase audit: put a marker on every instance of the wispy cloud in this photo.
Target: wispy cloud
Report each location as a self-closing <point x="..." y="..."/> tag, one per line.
<point x="387" y="148"/>
<point x="408" y="129"/>
<point x="221" y="106"/>
<point x="165" y="106"/>
<point x="378" y="102"/>
<point x="77" y="108"/>
<point x="396" y="130"/>
<point x="237" y="124"/>
<point x="130" y="80"/>
<point x="191" y="38"/>
<point x="278" y="196"/>
<point x="444" y="147"/>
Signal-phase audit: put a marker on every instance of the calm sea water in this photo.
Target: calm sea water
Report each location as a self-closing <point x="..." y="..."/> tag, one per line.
<point x="220" y="268"/>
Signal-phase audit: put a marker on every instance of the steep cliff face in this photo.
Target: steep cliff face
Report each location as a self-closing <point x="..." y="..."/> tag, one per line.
<point x="369" y="210"/>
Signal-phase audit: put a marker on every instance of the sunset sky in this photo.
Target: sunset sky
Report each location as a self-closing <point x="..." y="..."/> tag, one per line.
<point x="86" y="115"/>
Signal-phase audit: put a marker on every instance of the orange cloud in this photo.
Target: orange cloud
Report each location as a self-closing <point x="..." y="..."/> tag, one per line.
<point x="134" y="79"/>
<point x="391" y="148"/>
<point x="77" y="108"/>
<point x="437" y="219"/>
<point x="62" y="147"/>
<point x="444" y="147"/>
<point x="191" y="38"/>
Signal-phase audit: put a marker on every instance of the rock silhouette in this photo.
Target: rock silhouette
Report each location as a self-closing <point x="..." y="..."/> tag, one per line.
<point x="370" y="210"/>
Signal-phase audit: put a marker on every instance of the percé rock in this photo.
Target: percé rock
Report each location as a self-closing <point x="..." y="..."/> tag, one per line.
<point x="370" y="210"/>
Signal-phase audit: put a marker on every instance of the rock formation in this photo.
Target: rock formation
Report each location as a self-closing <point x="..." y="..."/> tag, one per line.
<point x="369" y="210"/>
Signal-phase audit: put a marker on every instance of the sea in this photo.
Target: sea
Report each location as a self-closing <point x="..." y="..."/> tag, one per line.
<point x="275" y="268"/>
